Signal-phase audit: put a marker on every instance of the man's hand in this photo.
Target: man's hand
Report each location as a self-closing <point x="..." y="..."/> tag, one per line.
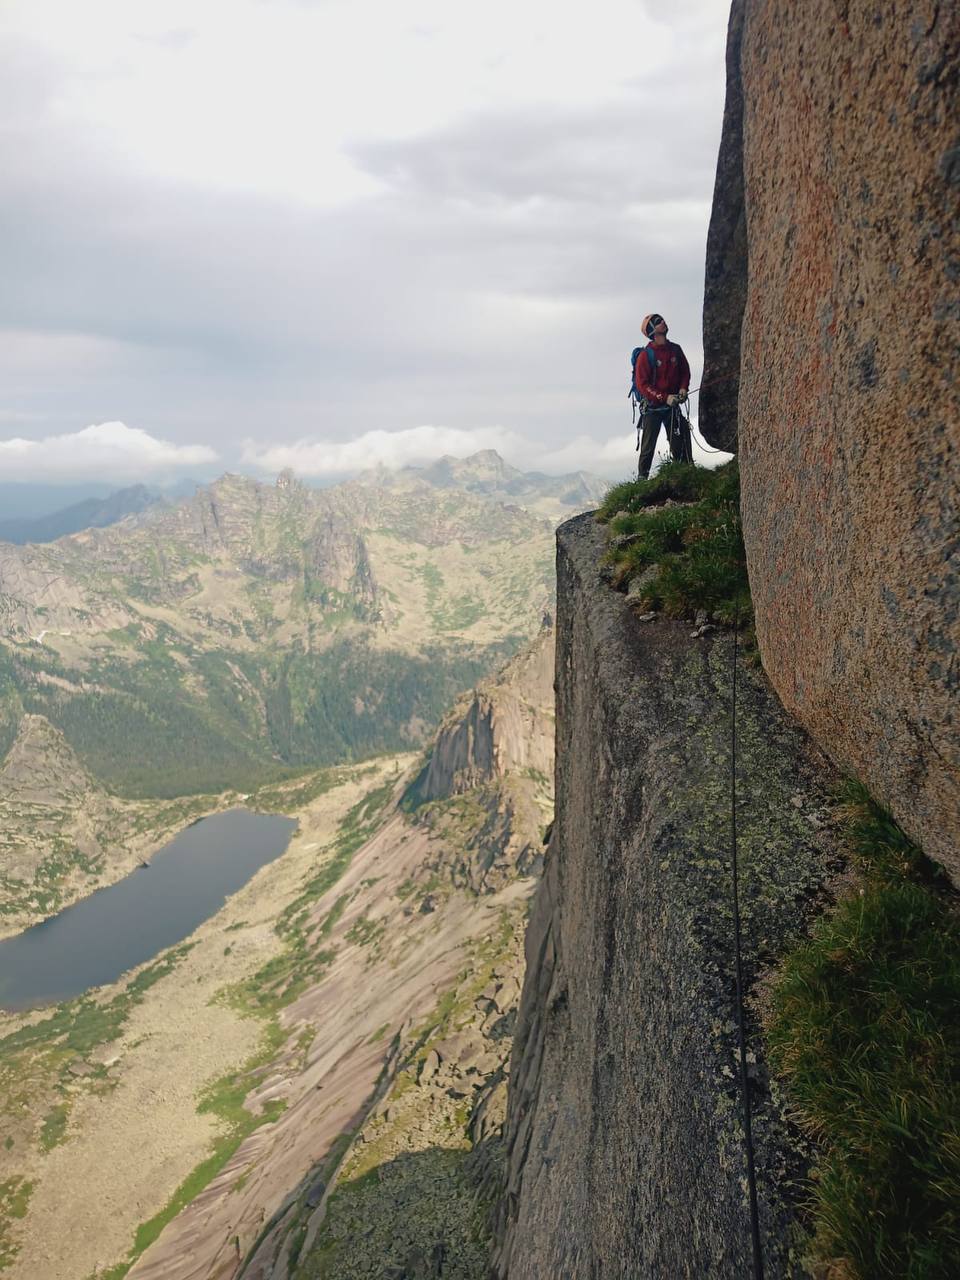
<point x="672" y="400"/>
<point x="683" y="395"/>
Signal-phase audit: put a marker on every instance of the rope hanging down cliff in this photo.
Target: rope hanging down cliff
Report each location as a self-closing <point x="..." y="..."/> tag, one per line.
<point x="738" y="955"/>
<point x="700" y="441"/>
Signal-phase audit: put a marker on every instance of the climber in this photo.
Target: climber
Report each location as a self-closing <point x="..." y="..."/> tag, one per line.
<point x="661" y="380"/>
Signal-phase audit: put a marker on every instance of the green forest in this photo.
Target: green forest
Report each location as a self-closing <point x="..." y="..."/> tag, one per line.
<point x="181" y="721"/>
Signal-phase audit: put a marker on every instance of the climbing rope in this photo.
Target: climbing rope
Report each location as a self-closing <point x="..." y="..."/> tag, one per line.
<point x="723" y="377"/>
<point x="682" y="409"/>
<point x="693" y="430"/>
<point x="738" y="954"/>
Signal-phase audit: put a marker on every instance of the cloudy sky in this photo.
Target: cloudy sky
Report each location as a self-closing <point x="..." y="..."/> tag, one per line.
<point x="250" y="234"/>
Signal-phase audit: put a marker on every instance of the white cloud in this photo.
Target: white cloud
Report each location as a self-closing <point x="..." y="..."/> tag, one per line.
<point x="244" y="94"/>
<point x="393" y="449"/>
<point x="614" y="456"/>
<point x="109" y="451"/>
<point x="339" y="214"/>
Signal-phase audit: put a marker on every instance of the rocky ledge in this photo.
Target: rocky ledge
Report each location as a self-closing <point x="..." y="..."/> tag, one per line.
<point x="625" y="1144"/>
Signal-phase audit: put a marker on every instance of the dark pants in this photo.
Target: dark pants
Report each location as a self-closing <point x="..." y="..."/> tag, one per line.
<point x="678" y="436"/>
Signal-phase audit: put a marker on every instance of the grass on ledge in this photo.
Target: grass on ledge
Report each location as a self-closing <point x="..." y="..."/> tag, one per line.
<point x="865" y="1031"/>
<point x="693" y="546"/>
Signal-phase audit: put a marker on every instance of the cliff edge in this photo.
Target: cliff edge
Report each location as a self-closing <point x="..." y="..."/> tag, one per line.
<point x="626" y="1154"/>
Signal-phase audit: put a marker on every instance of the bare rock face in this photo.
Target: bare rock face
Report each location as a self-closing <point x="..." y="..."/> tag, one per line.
<point x="486" y="791"/>
<point x="505" y="724"/>
<point x="625" y="1147"/>
<point x="53" y="816"/>
<point x="725" y="287"/>
<point x="41" y="769"/>
<point x="849" y="402"/>
<point x="340" y="567"/>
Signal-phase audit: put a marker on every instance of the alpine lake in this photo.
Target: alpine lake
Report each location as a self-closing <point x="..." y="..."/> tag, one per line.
<point x="97" y="940"/>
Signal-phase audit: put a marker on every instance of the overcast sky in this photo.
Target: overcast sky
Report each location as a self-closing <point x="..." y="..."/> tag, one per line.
<point x="247" y="234"/>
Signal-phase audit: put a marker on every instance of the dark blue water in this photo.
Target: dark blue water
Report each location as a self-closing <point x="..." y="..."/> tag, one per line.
<point x="113" y="930"/>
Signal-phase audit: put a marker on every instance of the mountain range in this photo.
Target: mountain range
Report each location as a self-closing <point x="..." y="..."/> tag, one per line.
<point x="88" y="513"/>
<point x="243" y="635"/>
<point x="346" y="1019"/>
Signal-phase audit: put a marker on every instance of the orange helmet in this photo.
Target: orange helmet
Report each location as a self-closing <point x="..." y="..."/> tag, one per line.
<point x="650" y="323"/>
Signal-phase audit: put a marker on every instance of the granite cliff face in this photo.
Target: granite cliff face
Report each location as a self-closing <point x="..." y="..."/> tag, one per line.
<point x="849" y="404"/>
<point x="487" y="787"/>
<point x="724" y="294"/>
<point x="625" y="1148"/>
<point x="505" y="724"/>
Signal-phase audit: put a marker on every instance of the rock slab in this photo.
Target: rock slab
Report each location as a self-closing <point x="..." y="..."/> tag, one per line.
<point x="625" y="1144"/>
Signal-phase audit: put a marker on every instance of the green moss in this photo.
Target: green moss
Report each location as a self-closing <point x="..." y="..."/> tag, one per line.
<point x="864" y="1031"/>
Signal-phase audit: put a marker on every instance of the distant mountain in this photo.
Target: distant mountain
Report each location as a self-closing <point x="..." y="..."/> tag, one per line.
<point x="253" y="629"/>
<point x="22" y="499"/>
<point x="90" y="513"/>
<point x="486" y="473"/>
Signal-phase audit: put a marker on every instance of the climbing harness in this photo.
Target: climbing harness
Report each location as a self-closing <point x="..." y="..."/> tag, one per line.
<point x="738" y="955"/>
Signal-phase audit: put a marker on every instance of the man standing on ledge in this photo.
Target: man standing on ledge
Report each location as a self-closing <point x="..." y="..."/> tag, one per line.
<point x="661" y="378"/>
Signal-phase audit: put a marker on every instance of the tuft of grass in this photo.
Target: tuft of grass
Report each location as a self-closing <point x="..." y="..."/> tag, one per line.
<point x="864" y="1030"/>
<point x="692" y="548"/>
<point x="54" y="1128"/>
<point x="679" y="481"/>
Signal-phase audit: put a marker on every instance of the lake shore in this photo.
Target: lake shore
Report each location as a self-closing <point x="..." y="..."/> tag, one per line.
<point x="133" y="1133"/>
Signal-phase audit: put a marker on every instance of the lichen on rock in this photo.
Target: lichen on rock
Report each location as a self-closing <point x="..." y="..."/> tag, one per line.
<point x="625" y="1145"/>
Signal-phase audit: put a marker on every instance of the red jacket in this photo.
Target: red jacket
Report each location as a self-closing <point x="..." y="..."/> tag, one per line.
<point x="672" y="373"/>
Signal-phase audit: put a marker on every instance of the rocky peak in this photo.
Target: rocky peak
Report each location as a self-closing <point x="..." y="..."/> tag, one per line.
<point x="505" y="724"/>
<point x="480" y="471"/>
<point x="42" y="768"/>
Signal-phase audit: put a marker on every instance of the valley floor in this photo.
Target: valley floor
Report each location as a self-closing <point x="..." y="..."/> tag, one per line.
<point x="348" y="1012"/>
<point x="133" y="1133"/>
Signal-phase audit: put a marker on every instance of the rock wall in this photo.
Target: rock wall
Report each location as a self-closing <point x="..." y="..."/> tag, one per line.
<point x="725" y="287"/>
<point x="849" y="407"/>
<point x="492" y="761"/>
<point x="624" y="1135"/>
<point x="505" y="724"/>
